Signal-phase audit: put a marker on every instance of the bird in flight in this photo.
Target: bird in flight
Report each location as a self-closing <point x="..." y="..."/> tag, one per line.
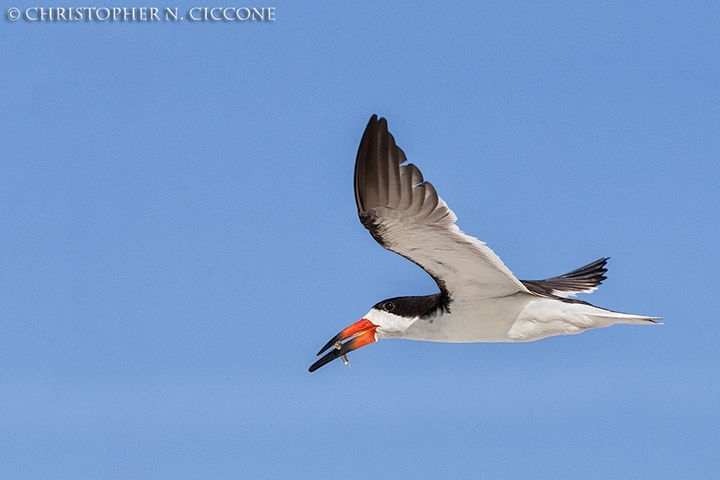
<point x="480" y="300"/>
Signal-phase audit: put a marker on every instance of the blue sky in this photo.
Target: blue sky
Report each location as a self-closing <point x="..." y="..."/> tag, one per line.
<point x="178" y="238"/>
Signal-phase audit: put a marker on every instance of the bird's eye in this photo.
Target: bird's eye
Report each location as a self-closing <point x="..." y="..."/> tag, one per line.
<point x="389" y="306"/>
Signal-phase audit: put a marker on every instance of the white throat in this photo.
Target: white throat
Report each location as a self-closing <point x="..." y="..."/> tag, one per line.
<point x="389" y="324"/>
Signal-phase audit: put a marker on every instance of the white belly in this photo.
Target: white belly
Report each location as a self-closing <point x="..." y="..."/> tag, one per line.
<point x="515" y="318"/>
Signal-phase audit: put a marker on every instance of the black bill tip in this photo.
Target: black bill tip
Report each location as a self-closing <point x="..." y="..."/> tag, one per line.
<point x="327" y="358"/>
<point x="329" y="344"/>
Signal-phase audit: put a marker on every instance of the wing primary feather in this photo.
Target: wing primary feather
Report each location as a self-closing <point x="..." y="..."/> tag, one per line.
<point x="366" y="169"/>
<point x="406" y="187"/>
<point x="396" y="157"/>
<point x="417" y="200"/>
<point x="406" y="215"/>
<point x="430" y="202"/>
<point x="383" y="160"/>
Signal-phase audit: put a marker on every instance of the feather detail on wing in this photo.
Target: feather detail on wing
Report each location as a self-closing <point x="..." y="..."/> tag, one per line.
<point x="583" y="280"/>
<point x="406" y="215"/>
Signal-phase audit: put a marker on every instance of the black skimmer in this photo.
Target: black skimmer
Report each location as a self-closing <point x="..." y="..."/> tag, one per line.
<point x="480" y="300"/>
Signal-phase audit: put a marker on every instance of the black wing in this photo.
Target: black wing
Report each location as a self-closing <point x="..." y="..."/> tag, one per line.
<point x="583" y="280"/>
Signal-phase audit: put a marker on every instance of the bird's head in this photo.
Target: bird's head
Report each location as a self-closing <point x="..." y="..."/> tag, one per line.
<point x="389" y="318"/>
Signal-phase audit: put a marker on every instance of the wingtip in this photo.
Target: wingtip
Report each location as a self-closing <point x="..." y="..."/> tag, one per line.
<point x="376" y="120"/>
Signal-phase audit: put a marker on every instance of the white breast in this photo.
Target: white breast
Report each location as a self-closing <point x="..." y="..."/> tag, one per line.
<point x="483" y="320"/>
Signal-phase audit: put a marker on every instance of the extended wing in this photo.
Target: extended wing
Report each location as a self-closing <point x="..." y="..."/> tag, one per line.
<point x="405" y="215"/>
<point x="583" y="280"/>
